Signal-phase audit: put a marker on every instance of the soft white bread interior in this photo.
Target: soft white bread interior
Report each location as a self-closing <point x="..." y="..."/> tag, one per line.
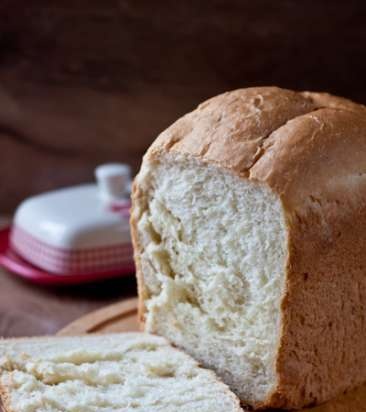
<point x="214" y="253"/>
<point x="246" y="247"/>
<point x="122" y="372"/>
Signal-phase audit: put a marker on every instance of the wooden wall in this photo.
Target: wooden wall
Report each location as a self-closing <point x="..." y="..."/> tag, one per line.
<point x="85" y="82"/>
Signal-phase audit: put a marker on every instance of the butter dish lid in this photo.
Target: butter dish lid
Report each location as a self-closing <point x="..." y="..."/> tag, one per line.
<point x="77" y="229"/>
<point x="72" y="218"/>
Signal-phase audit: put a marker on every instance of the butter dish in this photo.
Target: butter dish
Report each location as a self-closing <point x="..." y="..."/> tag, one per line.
<point x="82" y="230"/>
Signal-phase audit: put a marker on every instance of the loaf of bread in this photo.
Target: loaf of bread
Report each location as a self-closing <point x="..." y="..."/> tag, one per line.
<point x="122" y="372"/>
<point x="249" y="223"/>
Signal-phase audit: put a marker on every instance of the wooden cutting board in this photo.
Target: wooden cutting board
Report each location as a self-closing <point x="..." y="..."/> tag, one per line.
<point x="120" y="317"/>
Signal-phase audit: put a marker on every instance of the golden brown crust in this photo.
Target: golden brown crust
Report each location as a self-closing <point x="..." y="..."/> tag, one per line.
<point x="321" y="351"/>
<point x="136" y="195"/>
<point x="353" y="401"/>
<point x="5" y="399"/>
<point x="327" y="100"/>
<point x="229" y="129"/>
<point x="310" y="149"/>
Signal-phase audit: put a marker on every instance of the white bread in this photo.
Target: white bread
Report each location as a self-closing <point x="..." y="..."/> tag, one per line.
<point x="122" y="372"/>
<point x="248" y="223"/>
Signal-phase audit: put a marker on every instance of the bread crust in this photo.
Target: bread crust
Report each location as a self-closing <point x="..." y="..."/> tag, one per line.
<point x="310" y="149"/>
<point x="5" y="400"/>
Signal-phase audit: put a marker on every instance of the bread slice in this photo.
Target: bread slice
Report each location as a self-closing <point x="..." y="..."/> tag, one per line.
<point x="248" y="223"/>
<point x="121" y="372"/>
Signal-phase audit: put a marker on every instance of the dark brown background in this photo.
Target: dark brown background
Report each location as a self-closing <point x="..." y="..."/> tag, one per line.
<point x="83" y="82"/>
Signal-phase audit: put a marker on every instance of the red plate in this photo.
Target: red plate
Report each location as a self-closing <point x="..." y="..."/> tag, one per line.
<point x="12" y="262"/>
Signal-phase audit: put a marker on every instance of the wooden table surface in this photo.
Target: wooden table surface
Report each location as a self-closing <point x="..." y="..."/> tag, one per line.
<point x="29" y="310"/>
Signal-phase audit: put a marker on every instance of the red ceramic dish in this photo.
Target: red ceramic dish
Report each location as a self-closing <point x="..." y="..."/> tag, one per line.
<point x="13" y="263"/>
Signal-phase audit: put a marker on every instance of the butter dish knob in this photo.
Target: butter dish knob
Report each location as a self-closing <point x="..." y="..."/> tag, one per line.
<point x="114" y="181"/>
